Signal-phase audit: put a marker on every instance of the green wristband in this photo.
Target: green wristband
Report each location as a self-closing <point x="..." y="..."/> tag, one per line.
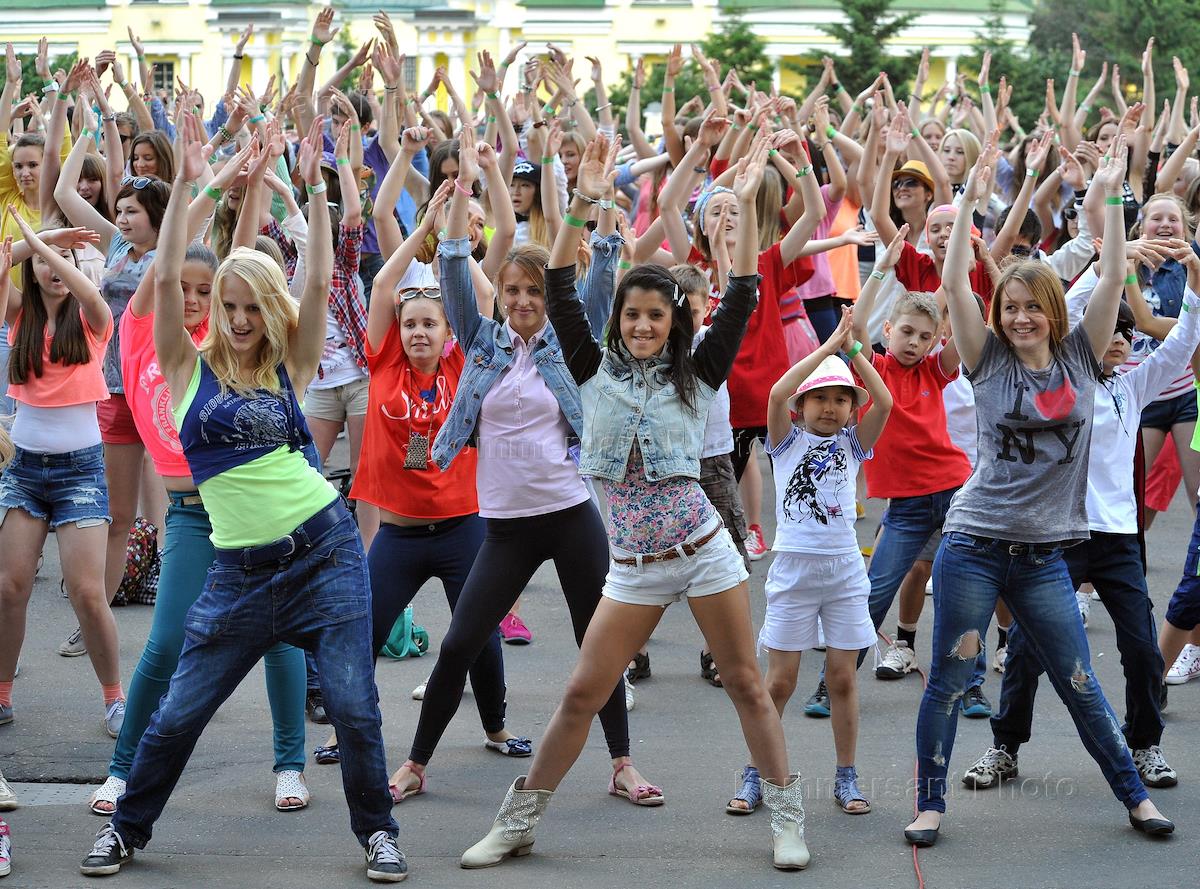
<point x="668" y="89"/>
<point x="878" y="275"/>
<point x="342" y="161"/>
<point x="491" y="118"/>
<point x="213" y="192"/>
<point x="547" y="108"/>
<point x="316" y="42"/>
<point x="831" y="132"/>
<point x="984" y="89"/>
<point x="493" y="95"/>
<point x="1072" y="73"/>
<point x="1032" y="174"/>
<point x="84" y="133"/>
<point x="1131" y="280"/>
<point x="574" y="221"/>
<point x="258" y="118"/>
<point x="838" y="88"/>
<point x="1114" y="200"/>
<point x="547" y="160"/>
<point x="854" y="350"/>
<point x="355" y="128"/>
<point x="772" y="152"/>
<point x="856" y="109"/>
<point x="803" y="171"/>
<point x="624" y="265"/>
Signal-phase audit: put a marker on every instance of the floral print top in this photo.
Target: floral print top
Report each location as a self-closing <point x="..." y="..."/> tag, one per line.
<point x="651" y="517"/>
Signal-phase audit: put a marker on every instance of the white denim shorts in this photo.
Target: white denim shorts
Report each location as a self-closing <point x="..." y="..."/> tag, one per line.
<point x="800" y="588"/>
<point x="713" y="568"/>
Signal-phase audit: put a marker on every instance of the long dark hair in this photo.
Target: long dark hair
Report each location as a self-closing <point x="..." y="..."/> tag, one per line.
<point x="682" y="372"/>
<point x="93" y="169"/>
<point x="69" y="345"/>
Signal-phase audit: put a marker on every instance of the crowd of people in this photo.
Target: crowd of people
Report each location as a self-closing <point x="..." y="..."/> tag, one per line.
<point x="550" y="339"/>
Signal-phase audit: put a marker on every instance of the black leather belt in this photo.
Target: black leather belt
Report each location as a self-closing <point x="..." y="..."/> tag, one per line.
<point x="295" y="544"/>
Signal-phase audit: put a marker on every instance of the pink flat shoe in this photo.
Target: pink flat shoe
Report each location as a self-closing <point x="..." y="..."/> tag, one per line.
<point x="642" y="795"/>
<point x="399" y="796"/>
<point x="514" y="632"/>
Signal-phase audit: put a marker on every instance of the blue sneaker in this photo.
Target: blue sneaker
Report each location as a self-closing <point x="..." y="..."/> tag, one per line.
<point x="818" y="705"/>
<point x="974" y="704"/>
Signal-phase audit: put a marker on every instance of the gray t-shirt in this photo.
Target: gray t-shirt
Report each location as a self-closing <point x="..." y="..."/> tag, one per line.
<point x="1034" y="433"/>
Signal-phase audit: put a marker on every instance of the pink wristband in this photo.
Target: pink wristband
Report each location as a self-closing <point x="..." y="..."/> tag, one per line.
<point x="458" y="187"/>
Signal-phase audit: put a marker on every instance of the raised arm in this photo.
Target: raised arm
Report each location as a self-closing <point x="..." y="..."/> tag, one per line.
<point x="633" y="112"/>
<point x="885" y="261"/>
<point x="77" y="210"/>
<point x="1100" y="316"/>
<point x="307" y="340"/>
<point x="881" y="204"/>
<point x="504" y="220"/>
<point x="1035" y="160"/>
<point x="95" y="309"/>
<point x="970" y="332"/>
<point x="322" y="32"/>
<point x="779" y="418"/>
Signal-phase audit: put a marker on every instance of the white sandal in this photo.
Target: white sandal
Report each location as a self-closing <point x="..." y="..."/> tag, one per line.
<point x="289" y="784"/>
<point x="108" y="792"/>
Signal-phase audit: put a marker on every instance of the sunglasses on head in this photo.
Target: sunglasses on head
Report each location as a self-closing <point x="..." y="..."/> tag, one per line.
<point x="407" y="293"/>
<point x="906" y="182"/>
<point x="138" y="182"/>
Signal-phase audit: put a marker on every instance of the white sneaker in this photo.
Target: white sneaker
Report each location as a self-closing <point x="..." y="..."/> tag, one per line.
<point x="1185" y="668"/>
<point x="418" y="693"/>
<point x="999" y="658"/>
<point x="114" y="718"/>
<point x="5" y="850"/>
<point x="8" y="796"/>
<point x="74" y="646"/>
<point x="630" y="701"/>
<point x="1084" y="601"/>
<point x="897" y="662"/>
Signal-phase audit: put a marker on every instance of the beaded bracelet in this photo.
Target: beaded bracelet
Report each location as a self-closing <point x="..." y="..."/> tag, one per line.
<point x="574" y="221"/>
<point x="213" y="192"/>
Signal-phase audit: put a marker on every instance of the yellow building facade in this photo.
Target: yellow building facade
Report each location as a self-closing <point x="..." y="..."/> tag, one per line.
<point x="195" y="39"/>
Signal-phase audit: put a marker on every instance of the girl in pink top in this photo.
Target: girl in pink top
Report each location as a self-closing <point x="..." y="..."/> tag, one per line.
<point x="59" y="328"/>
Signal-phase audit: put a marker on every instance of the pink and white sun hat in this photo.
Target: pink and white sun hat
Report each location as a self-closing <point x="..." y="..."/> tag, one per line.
<point x="832" y="371"/>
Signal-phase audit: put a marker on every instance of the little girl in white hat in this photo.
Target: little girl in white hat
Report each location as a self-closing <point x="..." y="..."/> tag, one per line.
<point x="818" y="570"/>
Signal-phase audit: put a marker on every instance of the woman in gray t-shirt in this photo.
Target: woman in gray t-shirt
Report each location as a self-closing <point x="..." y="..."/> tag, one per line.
<point x="1034" y="384"/>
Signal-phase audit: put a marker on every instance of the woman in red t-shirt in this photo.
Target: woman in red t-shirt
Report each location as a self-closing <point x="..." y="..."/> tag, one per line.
<point x="429" y="519"/>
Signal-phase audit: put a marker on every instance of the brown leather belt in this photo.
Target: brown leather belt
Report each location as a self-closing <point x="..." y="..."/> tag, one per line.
<point x="689" y="549"/>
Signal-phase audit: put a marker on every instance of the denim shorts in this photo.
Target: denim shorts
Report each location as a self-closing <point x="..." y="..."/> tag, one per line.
<point x="1170" y="412"/>
<point x="57" y="488"/>
<point x="1183" y="611"/>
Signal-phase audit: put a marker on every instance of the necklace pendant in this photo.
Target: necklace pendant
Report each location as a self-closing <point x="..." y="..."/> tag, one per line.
<point x="417" y="456"/>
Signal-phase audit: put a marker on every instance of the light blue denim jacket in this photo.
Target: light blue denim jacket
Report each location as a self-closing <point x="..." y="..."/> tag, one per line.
<point x="488" y="345"/>
<point x="626" y="399"/>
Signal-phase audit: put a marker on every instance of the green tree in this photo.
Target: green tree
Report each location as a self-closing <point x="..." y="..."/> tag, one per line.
<point x="732" y="46"/>
<point x="869" y="26"/>
<point x="31" y="82"/>
<point x="1022" y="71"/>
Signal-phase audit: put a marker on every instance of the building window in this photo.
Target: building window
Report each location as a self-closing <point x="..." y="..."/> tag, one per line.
<point x="410" y="75"/>
<point x="164" y="76"/>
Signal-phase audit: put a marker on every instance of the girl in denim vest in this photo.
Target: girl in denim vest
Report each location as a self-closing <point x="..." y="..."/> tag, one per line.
<point x="645" y="398"/>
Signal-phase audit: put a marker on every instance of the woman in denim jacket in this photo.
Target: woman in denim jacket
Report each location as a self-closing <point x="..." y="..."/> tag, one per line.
<point x="645" y="398"/>
<point x="517" y="401"/>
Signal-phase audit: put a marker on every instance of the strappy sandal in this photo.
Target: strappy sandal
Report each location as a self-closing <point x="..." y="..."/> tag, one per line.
<point x="640" y="669"/>
<point x="289" y="784"/>
<point x="511" y="746"/>
<point x="708" y="670"/>
<point x="750" y="794"/>
<point x="327" y="755"/>
<point x="641" y="795"/>
<point x="108" y="792"/>
<point x="399" y="796"/>
<point x="846" y="792"/>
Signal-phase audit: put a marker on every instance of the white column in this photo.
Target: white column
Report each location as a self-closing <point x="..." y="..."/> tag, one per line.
<point x="951" y="68"/>
<point x="425" y="68"/>
<point x="258" y="69"/>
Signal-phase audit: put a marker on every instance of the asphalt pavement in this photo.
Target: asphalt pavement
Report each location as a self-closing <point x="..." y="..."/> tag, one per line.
<point x="1058" y="826"/>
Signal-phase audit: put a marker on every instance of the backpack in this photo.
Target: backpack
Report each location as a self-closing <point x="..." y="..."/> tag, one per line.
<point x="139" y="586"/>
<point x="406" y="639"/>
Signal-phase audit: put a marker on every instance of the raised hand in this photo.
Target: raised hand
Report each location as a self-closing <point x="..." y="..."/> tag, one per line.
<point x="1078" y="56"/>
<point x="592" y="180"/>
<point x="485" y="155"/>
<point x="468" y="164"/>
<point x="486" y="79"/>
<point x="383" y="24"/>
<point x="244" y="39"/>
<point x="1111" y="174"/>
<point x="639" y="71"/>
<point x="1181" y="74"/>
<point x="12" y="66"/>
<point x="514" y="52"/>
<point x="898" y="136"/>
<point x="322" y="29"/>
<point x="984" y="67"/>
<point x="1035" y="157"/>
<point x="1072" y="170"/>
<point x="597" y="73"/>
<point x="1148" y="59"/>
<point x="308" y="161"/>
<point x="891" y="255"/>
<point x="750" y="171"/>
<point x="437" y="203"/>
<point x="389" y="66"/>
<point x="413" y="139"/>
<point x="675" y="61"/>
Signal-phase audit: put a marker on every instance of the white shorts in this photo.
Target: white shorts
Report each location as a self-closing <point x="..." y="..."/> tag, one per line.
<point x="713" y="568"/>
<point x="800" y="588"/>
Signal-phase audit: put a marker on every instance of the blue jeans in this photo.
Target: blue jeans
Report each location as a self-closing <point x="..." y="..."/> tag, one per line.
<point x="402" y="558"/>
<point x="369" y="265"/>
<point x="319" y="599"/>
<point x="1113" y="564"/>
<point x="969" y="575"/>
<point x="186" y="558"/>
<point x="908" y="524"/>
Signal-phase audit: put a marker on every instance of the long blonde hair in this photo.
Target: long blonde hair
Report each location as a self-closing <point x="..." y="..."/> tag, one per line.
<point x="279" y="313"/>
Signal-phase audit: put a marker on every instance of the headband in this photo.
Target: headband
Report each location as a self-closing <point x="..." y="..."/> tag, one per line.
<point x="703" y="200"/>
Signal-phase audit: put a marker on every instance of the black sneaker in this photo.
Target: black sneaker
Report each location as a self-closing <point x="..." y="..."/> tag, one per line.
<point x="108" y="853"/>
<point x="385" y="861"/>
<point x="995" y="767"/>
<point x="818" y="705"/>
<point x="314" y="706"/>
<point x="974" y="704"/>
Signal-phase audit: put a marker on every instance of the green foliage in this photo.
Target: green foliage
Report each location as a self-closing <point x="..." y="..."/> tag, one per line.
<point x="869" y="25"/>
<point x="31" y="82"/>
<point x="346" y="48"/>
<point x="733" y="45"/>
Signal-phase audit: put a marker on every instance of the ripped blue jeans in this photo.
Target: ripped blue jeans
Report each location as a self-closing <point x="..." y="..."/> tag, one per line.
<point x="969" y="575"/>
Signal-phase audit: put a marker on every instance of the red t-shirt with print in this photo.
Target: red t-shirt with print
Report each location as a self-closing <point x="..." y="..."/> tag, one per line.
<point x="402" y="400"/>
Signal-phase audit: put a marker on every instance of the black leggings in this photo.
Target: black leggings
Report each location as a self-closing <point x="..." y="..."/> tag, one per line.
<point x="402" y="559"/>
<point x="513" y="549"/>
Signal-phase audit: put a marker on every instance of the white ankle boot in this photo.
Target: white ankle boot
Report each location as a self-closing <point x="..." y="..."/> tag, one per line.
<point x="787" y="823"/>
<point x="512" y="831"/>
